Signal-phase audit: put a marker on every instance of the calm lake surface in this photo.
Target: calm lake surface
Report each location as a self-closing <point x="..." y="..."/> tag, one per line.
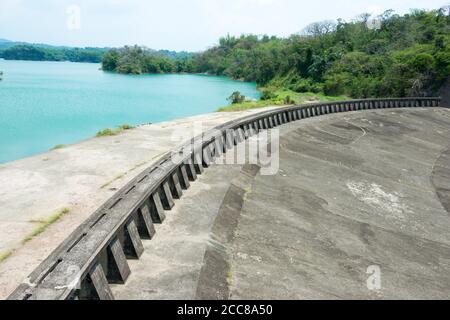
<point x="43" y="104"/>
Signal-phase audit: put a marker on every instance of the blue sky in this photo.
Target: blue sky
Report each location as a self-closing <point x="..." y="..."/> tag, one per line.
<point x="175" y="24"/>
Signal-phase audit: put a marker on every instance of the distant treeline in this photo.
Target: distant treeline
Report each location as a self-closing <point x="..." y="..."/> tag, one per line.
<point x="36" y="53"/>
<point x="51" y="53"/>
<point x="394" y="55"/>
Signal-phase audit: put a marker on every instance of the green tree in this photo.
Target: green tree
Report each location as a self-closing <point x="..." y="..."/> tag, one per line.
<point x="236" y="97"/>
<point x="407" y="55"/>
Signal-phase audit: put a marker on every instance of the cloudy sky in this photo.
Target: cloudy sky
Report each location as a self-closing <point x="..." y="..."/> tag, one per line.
<point x="174" y="24"/>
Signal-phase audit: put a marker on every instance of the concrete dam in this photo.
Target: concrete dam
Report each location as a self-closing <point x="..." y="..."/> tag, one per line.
<point x="357" y="208"/>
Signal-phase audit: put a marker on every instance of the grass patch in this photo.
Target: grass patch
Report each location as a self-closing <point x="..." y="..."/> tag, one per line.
<point x="106" y="132"/>
<point x="126" y="127"/>
<point x="44" y="224"/>
<point x="58" y="146"/>
<point x="113" y="132"/>
<point x="120" y="176"/>
<point x="230" y="275"/>
<point x="5" y="255"/>
<point x="281" y="98"/>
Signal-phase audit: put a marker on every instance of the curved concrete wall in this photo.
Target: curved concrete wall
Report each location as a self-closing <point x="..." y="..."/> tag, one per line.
<point x="96" y="253"/>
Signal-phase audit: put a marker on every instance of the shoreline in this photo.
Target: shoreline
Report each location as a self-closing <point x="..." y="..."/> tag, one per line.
<point x="80" y="178"/>
<point x="103" y="101"/>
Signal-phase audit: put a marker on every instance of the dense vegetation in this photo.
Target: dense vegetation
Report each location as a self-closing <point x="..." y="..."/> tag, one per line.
<point x="10" y="50"/>
<point x="137" y="60"/>
<point x="404" y="56"/>
<point x="38" y="53"/>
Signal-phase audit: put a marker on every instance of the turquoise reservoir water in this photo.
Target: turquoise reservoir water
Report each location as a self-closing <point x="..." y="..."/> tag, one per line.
<point x="43" y="104"/>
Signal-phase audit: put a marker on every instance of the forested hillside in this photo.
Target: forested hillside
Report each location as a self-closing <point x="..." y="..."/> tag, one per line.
<point x="137" y="60"/>
<point x="400" y="56"/>
<point x="38" y="53"/>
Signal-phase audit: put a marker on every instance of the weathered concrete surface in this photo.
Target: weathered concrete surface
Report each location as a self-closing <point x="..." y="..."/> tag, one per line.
<point x="80" y="177"/>
<point x="354" y="190"/>
<point x="170" y="265"/>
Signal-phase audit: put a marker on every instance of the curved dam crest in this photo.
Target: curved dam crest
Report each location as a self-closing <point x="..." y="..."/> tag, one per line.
<point x="79" y="177"/>
<point x="101" y="248"/>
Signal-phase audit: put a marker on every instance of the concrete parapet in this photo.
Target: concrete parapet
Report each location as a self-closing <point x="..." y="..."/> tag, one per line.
<point x="98" y="247"/>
